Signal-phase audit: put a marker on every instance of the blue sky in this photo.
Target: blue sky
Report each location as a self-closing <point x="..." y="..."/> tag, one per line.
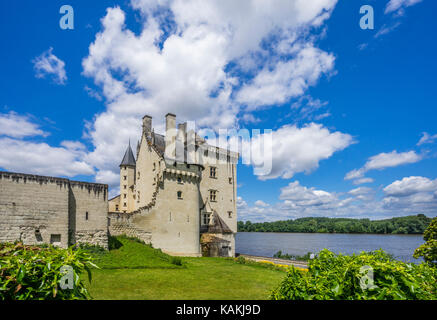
<point x="353" y="111"/>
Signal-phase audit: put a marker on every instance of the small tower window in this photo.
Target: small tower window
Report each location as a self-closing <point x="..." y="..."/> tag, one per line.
<point x="154" y="166"/>
<point x="124" y="177"/>
<point x="212" y="195"/>
<point x="116" y="207"/>
<point x="230" y="180"/>
<point x="86" y="215"/>
<point x="179" y="194"/>
<point x="212" y="172"/>
<point x="229" y="214"/>
<point x="179" y="180"/>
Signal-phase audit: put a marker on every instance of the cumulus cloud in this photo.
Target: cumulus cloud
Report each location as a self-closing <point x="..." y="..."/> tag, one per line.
<point x="410" y="185"/>
<point x="18" y="126"/>
<point x="20" y="154"/>
<point x="384" y="160"/>
<point x="47" y="64"/>
<point x="200" y="60"/>
<point x="297" y="149"/>
<point x="260" y="203"/>
<point x="41" y="158"/>
<point x="408" y="196"/>
<point x="296" y="195"/>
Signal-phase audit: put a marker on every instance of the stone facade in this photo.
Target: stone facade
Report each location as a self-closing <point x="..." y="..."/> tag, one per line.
<point x="174" y="200"/>
<point x="37" y="209"/>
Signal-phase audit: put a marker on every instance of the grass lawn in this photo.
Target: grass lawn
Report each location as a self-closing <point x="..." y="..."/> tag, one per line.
<point x="137" y="271"/>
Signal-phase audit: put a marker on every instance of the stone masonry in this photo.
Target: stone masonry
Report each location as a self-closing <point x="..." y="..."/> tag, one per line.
<point x="37" y="209"/>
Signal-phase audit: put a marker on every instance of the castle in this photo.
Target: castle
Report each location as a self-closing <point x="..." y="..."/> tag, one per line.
<point x="179" y="194"/>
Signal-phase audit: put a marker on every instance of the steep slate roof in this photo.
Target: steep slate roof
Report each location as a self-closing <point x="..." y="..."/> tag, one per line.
<point x="219" y="225"/>
<point x="128" y="159"/>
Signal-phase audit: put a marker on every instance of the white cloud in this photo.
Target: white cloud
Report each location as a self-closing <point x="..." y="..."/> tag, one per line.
<point x="179" y="60"/>
<point x="286" y="79"/>
<point x="260" y="203"/>
<point x="410" y="185"/>
<point x="362" y="181"/>
<point x="19" y="155"/>
<point x="42" y="159"/>
<point x="427" y="138"/>
<point x="397" y="5"/>
<point x="298" y="149"/>
<point x="384" y="160"/>
<point x="409" y="196"/>
<point x="47" y="64"/>
<point x="18" y="126"/>
<point x="241" y="204"/>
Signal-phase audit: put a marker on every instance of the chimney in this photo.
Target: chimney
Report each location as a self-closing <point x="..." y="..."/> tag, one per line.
<point x="147" y="125"/>
<point x="170" y="136"/>
<point x="182" y="132"/>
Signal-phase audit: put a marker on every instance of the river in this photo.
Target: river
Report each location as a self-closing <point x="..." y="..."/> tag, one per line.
<point x="268" y="243"/>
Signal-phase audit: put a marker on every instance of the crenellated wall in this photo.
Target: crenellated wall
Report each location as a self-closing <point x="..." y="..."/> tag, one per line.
<point x="38" y="209"/>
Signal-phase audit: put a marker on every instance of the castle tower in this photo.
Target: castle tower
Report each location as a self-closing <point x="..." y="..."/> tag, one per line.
<point x="127" y="181"/>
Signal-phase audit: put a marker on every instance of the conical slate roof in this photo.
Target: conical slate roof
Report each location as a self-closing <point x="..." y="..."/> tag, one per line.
<point x="128" y="159"/>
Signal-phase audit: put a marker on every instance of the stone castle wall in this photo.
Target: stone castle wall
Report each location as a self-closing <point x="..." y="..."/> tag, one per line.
<point x="36" y="209"/>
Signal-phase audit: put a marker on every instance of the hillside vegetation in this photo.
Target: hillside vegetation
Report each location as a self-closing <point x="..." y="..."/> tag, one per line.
<point x="402" y="225"/>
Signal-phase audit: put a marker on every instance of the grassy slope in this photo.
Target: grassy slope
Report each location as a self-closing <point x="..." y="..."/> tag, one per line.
<point x="146" y="273"/>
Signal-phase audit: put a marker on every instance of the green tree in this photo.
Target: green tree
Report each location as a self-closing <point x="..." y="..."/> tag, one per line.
<point x="428" y="250"/>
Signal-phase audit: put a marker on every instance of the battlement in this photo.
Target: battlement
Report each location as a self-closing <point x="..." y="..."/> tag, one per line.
<point x="24" y="178"/>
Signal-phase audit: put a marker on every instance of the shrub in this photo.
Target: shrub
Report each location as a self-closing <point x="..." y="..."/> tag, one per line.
<point x="342" y="277"/>
<point x="31" y="272"/>
<point x="428" y="250"/>
<point x="177" y="261"/>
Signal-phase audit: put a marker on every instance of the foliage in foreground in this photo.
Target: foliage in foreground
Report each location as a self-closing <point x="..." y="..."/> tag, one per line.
<point x="428" y="250"/>
<point x="342" y="277"/>
<point x="32" y="272"/>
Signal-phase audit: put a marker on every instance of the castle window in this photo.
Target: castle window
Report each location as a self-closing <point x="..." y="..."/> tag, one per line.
<point x="124" y="204"/>
<point x="212" y="195"/>
<point x="179" y="194"/>
<point x="86" y="215"/>
<point x="212" y="172"/>
<point x="230" y="180"/>
<point x="179" y="180"/>
<point x="138" y="175"/>
<point x="125" y="187"/>
<point x="206" y="218"/>
<point x="154" y="166"/>
<point x="116" y="207"/>
<point x="124" y="177"/>
<point x="55" y="239"/>
<point x="229" y="214"/>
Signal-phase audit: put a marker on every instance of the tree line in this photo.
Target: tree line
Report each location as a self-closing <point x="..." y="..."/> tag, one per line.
<point x="401" y="225"/>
